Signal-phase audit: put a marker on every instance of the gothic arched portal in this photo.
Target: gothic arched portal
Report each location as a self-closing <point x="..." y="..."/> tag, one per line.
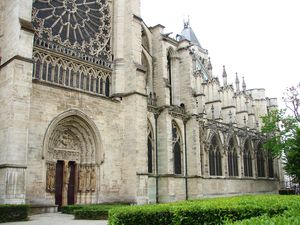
<point x="72" y="155"/>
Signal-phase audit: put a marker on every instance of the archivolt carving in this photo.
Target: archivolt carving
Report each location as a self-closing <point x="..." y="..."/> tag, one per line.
<point x="72" y="140"/>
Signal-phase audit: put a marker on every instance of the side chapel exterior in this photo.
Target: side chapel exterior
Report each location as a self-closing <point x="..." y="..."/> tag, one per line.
<point x="98" y="107"/>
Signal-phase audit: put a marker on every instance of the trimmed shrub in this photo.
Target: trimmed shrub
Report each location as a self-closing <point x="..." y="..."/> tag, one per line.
<point x="208" y="211"/>
<point x="291" y="217"/>
<point x="287" y="192"/>
<point x="12" y="213"/>
<point x="70" y="209"/>
<point x="150" y="215"/>
<point x="89" y="212"/>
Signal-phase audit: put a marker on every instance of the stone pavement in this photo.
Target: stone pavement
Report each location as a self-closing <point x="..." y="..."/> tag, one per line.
<point x="57" y="219"/>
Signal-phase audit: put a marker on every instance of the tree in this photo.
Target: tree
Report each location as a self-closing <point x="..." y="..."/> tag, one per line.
<point x="280" y="132"/>
<point x="291" y="99"/>
<point x="292" y="166"/>
<point x="283" y="138"/>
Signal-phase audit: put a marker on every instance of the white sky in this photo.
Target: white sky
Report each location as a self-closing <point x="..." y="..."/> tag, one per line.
<point x="258" y="39"/>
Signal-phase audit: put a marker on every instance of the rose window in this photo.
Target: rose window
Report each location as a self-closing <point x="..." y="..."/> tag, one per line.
<point x="83" y="25"/>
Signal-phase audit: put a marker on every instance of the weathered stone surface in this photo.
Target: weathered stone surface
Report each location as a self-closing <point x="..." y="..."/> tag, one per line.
<point x="48" y="119"/>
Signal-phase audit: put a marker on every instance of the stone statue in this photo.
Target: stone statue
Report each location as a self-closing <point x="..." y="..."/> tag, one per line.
<point x="93" y="180"/>
<point x="88" y="179"/>
<point x="66" y="175"/>
<point x="50" y="177"/>
<point x="81" y="180"/>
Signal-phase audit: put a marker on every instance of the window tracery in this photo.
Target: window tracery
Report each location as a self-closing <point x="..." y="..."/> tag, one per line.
<point x="177" y="151"/>
<point x="232" y="159"/>
<point x="215" y="158"/>
<point x="150" y="144"/>
<point x="83" y="25"/>
<point x="64" y="72"/>
<point x="72" y="44"/>
<point x="270" y="165"/>
<point x="260" y="160"/>
<point x="247" y="159"/>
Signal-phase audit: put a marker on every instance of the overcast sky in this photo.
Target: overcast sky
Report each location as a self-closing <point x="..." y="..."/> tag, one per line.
<point x="258" y="39"/>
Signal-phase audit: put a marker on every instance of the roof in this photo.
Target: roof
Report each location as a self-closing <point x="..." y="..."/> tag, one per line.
<point x="188" y="34"/>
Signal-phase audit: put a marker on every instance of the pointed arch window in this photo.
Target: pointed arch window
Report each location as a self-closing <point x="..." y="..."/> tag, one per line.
<point x="177" y="148"/>
<point x="215" y="158"/>
<point x="107" y="87"/>
<point x="169" y="68"/>
<point x="232" y="159"/>
<point x="260" y="160"/>
<point x="247" y="158"/>
<point x="270" y="165"/>
<point x="150" y="143"/>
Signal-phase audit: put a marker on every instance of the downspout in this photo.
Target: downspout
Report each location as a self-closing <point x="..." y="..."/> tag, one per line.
<point x="185" y="158"/>
<point x="156" y="156"/>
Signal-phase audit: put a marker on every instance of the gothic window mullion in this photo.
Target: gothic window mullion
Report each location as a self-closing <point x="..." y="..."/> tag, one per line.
<point x="44" y="71"/>
<point x="64" y="76"/>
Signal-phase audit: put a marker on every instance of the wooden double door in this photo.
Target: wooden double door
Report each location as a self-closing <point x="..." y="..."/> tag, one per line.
<point x="65" y="183"/>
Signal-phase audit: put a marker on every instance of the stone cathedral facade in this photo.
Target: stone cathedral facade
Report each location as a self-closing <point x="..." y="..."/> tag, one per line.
<point x="98" y="107"/>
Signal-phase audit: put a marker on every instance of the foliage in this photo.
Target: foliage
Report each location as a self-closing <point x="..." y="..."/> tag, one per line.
<point x="291" y="217"/>
<point x="292" y="100"/>
<point x="292" y="165"/>
<point x="11" y="213"/>
<point x="279" y="130"/>
<point x="287" y="192"/>
<point x="90" y="212"/>
<point x="208" y="211"/>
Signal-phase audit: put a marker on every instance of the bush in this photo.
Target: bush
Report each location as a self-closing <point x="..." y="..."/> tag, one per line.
<point x="12" y="213"/>
<point x="209" y="211"/>
<point x="70" y="209"/>
<point x="291" y="217"/>
<point x="90" y="212"/>
<point x="287" y="192"/>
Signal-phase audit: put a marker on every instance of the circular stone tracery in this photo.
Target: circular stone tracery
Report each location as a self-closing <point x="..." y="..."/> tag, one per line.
<point x="77" y="24"/>
<point x="70" y="6"/>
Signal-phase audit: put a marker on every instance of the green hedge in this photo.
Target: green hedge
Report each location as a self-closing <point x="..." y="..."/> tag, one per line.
<point x="209" y="211"/>
<point x="90" y="212"/>
<point x="12" y="213"/>
<point x="290" y="217"/>
<point x="287" y="192"/>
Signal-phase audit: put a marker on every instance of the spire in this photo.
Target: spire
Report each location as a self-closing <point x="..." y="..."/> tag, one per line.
<point x="224" y="77"/>
<point x="186" y="24"/>
<point x="188" y="34"/>
<point x="237" y="82"/>
<point x="209" y="67"/>
<point x="244" y="85"/>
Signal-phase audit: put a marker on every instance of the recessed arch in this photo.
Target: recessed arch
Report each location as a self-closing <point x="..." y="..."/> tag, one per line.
<point x="177" y="148"/>
<point x="260" y="161"/>
<point x="247" y="158"/>
<point x="232" y="157"/>
<point x="89" y="131"/>
<point x="215" y="156"/>
<point x="150" y="148"/>
<point x="72" y="154"/>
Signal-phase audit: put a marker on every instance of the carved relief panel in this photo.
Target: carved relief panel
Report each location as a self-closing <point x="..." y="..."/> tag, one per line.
<point x="65" y="147"/>
<point x="87" y="178"/>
